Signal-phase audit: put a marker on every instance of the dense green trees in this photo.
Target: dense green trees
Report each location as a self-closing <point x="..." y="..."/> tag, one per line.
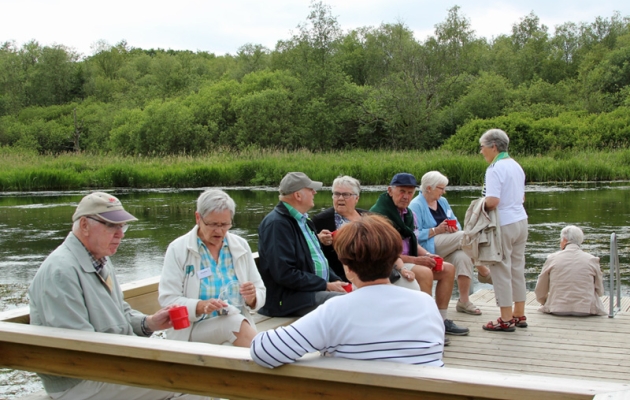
<point x="566" y="87"/>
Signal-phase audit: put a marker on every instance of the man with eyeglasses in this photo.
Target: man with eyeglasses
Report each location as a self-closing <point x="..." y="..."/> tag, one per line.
<point x="76" y="288"/>
<point x="291" y="261"/>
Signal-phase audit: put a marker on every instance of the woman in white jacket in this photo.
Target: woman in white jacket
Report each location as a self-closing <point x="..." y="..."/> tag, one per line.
<point x="201" y="266"/>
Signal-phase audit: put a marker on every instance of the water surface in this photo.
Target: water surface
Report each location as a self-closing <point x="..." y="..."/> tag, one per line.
<point x="34" y="224"/>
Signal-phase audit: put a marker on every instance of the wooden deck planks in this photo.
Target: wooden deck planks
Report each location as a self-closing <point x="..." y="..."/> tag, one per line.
<point x="625" y="303"/>
<point x="264" y="323"/>
<point x="592" y="347"/>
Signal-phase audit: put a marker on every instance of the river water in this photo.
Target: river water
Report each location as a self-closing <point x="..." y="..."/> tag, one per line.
<point x="33" y="224"/>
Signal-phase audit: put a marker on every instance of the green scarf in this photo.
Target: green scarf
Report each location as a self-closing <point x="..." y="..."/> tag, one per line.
<point x="386" y="207"/>
<point x="500" y="156"/>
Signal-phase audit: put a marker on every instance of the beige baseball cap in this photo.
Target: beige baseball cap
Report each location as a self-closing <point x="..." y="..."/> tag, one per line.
<point x="294" y="181"/>
<point x="106" y="206"/>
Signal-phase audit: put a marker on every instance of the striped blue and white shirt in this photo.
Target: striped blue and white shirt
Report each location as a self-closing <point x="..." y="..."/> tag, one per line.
<point x="379" y="322"/>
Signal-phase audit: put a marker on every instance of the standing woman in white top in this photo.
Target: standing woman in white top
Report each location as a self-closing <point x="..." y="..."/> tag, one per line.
<point x="504" y="190"/>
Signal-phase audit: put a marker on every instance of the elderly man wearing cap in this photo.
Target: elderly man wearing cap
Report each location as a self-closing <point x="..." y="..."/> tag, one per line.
<point x="76" y="288"/>
<point x="291" y="262"/>
<point x="418" y="263"/>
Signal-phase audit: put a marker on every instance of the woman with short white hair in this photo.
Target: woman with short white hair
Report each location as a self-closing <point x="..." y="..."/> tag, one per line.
<point x="346" y="192"/>
<point x="202" y="264"/>
<point x="433" y="211"/>
<point x="504" y="190"/>
<point x="570" y="282"/>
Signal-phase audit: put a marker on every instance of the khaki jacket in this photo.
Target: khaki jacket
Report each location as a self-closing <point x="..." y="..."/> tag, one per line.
<point x="571" y="282"/>
<point x="482" y="234"/>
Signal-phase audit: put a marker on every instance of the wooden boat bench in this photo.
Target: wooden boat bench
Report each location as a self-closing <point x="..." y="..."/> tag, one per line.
<point x="228" y="372"/>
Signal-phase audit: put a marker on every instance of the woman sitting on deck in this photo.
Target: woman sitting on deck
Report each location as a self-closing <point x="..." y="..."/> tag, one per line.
<point x="202" y="264"/>
<point x="571" y="282"/>
<point x="378" y="321"/>
<point x="345" y="194"/>
<point x="435" y="235"/>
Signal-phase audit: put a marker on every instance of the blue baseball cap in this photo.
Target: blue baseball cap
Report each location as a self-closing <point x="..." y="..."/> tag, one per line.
<point x="403" y="179"/>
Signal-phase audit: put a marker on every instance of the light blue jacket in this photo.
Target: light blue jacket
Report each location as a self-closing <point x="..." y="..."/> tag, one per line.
<point x="426" y="221"/>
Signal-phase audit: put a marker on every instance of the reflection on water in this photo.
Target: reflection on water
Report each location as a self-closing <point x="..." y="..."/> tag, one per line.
<point x="33" y="224"/>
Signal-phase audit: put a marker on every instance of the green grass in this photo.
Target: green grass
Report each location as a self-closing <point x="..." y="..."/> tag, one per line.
<point x="21" y="171"/>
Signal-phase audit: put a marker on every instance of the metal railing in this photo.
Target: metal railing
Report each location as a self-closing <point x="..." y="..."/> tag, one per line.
<point x="615" y="275"/>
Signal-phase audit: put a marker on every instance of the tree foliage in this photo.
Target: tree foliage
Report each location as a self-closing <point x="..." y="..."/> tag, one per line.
<point x="324" y="88"/>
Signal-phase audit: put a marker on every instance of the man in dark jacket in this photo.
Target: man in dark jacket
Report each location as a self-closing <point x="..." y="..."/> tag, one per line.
<point x="291" y="261"/>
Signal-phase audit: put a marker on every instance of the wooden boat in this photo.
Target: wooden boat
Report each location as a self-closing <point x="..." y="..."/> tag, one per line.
<point x="556" y="358"/>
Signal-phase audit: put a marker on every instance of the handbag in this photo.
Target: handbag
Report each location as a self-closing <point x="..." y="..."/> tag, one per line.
<point x="394" y="276"/>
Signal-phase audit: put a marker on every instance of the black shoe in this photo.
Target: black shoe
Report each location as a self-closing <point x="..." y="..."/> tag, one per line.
<point x="452" y="329"/>
<point x="447" y="341"/>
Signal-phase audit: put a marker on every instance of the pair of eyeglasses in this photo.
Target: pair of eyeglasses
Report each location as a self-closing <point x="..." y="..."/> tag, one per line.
<point x="111" y="227"/>
<point x="346" y="195"/>
<point x="213" y="225"/>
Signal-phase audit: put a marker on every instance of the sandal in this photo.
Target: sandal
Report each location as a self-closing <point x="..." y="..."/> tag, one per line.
<point x="500" y="326"/>
<point x="520" y="322"/>
<point x="468" y="308"/>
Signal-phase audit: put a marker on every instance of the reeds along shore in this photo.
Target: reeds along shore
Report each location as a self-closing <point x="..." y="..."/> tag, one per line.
<point x="27" y="172"/>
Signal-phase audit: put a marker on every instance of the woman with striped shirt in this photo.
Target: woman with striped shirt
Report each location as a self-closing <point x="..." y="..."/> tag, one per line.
<point x="377" y="321"/>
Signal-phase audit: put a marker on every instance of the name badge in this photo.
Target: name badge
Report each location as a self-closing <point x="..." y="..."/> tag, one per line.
<point x="204" y="273"/>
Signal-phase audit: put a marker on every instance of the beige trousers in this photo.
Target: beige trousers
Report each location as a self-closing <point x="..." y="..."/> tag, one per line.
<point x="217" y="330"/>
<point x="508" y="276"/>
<point x="449" y="247"/>
<point x="402" y="282"/>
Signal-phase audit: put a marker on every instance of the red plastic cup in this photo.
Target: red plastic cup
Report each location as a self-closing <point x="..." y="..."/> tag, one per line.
<point x="179" y="317"/>
<point x="452" y="223"/>
<point x="439" y="263"/>
<point x="348" y="287"/>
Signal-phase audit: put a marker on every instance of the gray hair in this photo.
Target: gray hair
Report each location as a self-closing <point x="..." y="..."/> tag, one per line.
<point x="432" y="178"/>
<point x="215" y="200"/>
<point x="77" y="224"/>
<point x="348" y="181"/>
<point x="495" y="137"/>
<point x="76" y="227"/>
<point x="572" y="234"/>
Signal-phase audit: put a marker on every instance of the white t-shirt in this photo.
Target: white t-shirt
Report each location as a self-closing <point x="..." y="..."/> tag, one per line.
<point x="379" y="322"/>
<point x="505" y="180"/>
